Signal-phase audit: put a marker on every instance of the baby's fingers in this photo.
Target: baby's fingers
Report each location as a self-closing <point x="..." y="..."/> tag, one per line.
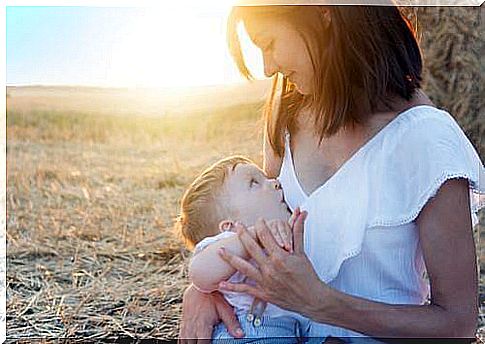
<point x="293" y="217"/>
<point x="273" y="226"/>
<point x="286" y="235"/>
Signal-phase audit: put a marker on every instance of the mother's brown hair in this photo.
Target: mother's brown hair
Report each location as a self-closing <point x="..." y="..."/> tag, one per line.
<point x="363" y="57"/>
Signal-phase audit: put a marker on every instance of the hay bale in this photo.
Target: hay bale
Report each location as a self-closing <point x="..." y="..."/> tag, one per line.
<point x="452" y="48"/>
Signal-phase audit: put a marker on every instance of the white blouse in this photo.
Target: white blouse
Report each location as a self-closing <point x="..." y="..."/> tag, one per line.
<point x="360" y="233"/>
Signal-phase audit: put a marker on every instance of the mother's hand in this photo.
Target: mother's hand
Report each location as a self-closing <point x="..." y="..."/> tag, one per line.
<point x="285" y="279"/>
<point x="200" y="312"/>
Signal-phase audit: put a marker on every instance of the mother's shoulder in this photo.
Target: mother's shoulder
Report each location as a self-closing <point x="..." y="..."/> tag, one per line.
<point x="426" y="118"/>
<point x="416" y="130"/>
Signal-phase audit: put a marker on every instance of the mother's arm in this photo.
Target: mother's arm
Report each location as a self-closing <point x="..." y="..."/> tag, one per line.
<point x="449" y="252"/>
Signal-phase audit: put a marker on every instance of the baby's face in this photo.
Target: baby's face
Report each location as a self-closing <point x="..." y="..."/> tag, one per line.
<point x="250" y="195"/>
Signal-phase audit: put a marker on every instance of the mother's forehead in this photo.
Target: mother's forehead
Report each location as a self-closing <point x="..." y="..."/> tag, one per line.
<point x="258" y="26"/>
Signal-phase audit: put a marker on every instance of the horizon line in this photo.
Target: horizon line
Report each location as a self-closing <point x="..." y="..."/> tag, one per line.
<point x="131" y="86"/>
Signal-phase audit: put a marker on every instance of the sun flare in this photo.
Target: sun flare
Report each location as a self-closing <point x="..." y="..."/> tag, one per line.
<point x="176" y="47"/>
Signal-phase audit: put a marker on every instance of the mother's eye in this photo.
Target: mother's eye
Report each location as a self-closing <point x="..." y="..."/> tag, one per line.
<point x="253" y="182"/>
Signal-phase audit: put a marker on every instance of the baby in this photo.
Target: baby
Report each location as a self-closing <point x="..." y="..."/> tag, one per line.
<point x="236" y="190"/>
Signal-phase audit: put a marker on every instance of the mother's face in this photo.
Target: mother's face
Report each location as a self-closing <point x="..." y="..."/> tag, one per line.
<point x="283" y="50"/>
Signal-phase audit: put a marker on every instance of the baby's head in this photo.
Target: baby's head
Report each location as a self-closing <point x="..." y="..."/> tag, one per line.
<point x="233" y="189"/>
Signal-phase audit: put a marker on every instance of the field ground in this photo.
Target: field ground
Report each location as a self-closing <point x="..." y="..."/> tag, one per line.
<point x="91" y="200"/>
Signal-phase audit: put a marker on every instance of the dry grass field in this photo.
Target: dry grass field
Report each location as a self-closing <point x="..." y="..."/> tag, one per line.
<point x="91" y="200"/>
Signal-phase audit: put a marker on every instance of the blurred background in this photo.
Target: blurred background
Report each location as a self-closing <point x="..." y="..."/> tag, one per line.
<point x="111" y="112"/>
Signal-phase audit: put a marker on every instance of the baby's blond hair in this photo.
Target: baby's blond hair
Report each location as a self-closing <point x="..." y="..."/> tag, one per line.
<point x="199" y="211"/>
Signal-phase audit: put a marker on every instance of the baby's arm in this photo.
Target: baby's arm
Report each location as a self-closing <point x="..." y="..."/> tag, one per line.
<point x="207" y="268"/>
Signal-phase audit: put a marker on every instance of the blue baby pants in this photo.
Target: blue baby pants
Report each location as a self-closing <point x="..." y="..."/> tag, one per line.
<point x="316" y="333"/>
<point x="270" y="330"/>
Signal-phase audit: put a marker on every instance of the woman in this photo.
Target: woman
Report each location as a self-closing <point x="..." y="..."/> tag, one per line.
<point x="388" y="180"/>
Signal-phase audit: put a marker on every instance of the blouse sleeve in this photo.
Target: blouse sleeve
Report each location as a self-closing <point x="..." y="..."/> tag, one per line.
<point x="424" y="154"/>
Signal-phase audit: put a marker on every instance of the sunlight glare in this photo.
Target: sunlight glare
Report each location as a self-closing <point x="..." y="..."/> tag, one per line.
<point x="175" y="47"/>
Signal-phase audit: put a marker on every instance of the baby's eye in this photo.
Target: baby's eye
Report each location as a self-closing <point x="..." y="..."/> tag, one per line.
<point x="253" y="182"/>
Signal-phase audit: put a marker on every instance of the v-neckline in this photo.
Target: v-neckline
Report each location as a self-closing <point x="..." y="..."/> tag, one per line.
<point x="353" y="157"/>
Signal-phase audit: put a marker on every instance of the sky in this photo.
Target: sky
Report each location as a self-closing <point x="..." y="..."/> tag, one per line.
<point x="121" y="46"/>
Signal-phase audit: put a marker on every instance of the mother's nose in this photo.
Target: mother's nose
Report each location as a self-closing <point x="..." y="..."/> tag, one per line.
<point x="270" y="67"/>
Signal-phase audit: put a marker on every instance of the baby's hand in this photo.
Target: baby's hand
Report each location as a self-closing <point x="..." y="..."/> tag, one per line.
<point x="293" y="217"/>
<point x="282" y="233"/>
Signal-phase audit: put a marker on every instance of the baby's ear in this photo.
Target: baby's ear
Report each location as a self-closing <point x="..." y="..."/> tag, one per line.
<point x="226" y="226"/>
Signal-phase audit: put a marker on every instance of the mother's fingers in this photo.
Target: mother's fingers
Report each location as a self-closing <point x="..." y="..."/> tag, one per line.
<point x="267" y="240"/>
<point x="228" y="317"/>
<point x="277" y="235"/>
<point x="251" y="246"/>
<point x="242" y="288"/>
<point x="240" y="265"/>
<point x="298" y="233"/>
